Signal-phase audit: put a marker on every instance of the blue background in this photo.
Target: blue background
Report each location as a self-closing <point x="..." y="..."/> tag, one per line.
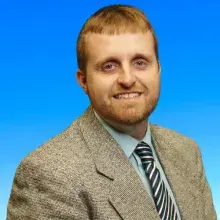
<point x="39" y="95"/>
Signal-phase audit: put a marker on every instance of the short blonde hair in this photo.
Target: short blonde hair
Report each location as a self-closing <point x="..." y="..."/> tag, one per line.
<point x="113" y="19"/>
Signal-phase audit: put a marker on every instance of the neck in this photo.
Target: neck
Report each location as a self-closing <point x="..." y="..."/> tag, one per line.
<point x="136" y="131"/>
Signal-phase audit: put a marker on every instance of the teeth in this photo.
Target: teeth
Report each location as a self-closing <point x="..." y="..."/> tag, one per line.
<point x="126" y="96"/>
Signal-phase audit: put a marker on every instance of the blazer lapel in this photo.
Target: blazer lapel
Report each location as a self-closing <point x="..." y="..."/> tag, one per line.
<point x="170" y="151"/>
<point x="127" y="195"/>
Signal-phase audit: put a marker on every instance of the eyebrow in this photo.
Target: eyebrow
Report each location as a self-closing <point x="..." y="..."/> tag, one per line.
<point x="146" y="56"/>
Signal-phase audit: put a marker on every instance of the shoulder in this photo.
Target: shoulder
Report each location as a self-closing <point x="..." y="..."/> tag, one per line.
<point x="62" y="157"/>
<point x="170" y="134"/>
<point x="181" y="148"/>
<point x="174" y="138"/>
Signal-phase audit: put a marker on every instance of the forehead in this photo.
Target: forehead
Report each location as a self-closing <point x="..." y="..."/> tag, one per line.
<point x="122" y="45"/>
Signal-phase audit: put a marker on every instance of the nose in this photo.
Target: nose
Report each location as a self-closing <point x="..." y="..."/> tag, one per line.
<point x="126" y="78"/>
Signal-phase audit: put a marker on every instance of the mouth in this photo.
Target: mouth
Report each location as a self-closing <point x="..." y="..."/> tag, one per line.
<point x="130" y="95"/>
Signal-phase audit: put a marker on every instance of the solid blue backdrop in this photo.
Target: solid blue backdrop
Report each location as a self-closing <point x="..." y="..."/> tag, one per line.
<point x="39" y="95"/>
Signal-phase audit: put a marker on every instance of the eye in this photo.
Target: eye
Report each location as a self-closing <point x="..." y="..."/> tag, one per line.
<point x="141" y="64"/>
<point x="109" y="66"/>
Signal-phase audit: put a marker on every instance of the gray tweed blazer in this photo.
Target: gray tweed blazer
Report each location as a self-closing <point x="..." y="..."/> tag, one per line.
<point x="82" y="174"/>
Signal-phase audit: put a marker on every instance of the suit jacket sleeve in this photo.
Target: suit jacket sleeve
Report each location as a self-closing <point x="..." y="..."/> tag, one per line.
<point x="206" y="195"/>
<point x="38" y="194"/>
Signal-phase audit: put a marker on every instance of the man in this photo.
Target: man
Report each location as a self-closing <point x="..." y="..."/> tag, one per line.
<point x="111" y="163"/>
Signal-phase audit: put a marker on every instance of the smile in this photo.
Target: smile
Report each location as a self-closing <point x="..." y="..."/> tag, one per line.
<point x="127" y="95"/>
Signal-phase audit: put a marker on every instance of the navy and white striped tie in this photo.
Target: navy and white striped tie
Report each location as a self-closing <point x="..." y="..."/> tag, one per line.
<point x="163" y="202"/>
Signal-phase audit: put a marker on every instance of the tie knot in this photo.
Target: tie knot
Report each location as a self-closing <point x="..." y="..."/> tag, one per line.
<point x="144" y="151"/>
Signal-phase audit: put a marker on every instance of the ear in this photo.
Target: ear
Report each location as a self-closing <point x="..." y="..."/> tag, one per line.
<point x="81" y="78"/>
<point x="159" y="67"/>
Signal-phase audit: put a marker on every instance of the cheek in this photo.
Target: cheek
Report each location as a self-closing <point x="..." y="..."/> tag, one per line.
<point x="151" y="82"/>
<point x="98" y="90"/>
<point x="154" y="89"/>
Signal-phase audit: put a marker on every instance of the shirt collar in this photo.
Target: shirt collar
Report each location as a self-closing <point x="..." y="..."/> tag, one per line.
<point x="127" y="143"/>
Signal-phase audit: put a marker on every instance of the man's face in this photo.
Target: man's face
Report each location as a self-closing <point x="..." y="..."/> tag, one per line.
<point x="122" y="76"/>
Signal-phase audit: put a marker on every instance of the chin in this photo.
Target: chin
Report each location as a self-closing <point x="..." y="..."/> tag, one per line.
<point x="128" y="116"/>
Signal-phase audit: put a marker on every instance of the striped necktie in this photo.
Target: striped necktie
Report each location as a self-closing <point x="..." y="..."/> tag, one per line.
<point x="163" y="202"/>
